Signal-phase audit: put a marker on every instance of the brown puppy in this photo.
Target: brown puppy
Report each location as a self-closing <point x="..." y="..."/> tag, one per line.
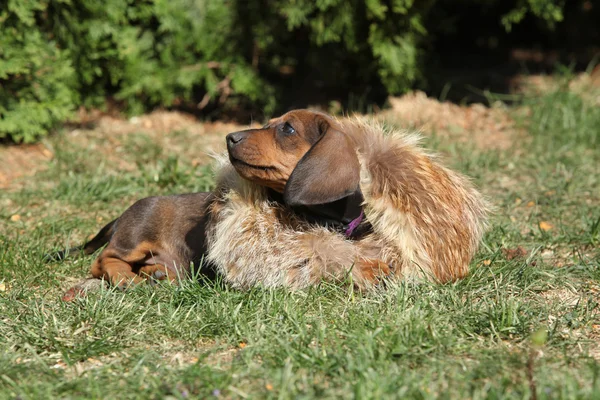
<point x="156" y="238"/>
<point x="296" y="216"/>
<point x="303" y="199"/>
<point x="308" y="197"/>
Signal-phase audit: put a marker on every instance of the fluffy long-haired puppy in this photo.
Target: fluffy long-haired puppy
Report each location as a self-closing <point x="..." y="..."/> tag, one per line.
<point x="305" y="198"/>
<point x="309" y="197"/>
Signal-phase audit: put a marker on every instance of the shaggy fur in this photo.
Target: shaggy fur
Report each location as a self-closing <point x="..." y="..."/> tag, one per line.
<point x="427" y="222"/>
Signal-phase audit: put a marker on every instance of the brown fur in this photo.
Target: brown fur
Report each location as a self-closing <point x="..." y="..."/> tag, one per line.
<point x="157" y="238"/>
<point x="427" y="221"/>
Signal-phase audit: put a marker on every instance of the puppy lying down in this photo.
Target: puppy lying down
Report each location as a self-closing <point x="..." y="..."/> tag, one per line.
<point x="306" y="198"/>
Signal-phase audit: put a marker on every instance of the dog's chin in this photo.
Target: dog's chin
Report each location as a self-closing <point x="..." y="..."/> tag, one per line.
<point x="256" y="174"/>
<point x="238" y="163"/>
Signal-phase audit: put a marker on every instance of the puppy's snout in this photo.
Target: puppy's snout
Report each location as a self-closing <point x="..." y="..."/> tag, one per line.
<point x="235" y="138"/>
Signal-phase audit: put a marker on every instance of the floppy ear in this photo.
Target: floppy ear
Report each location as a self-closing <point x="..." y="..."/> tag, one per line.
<point x="328" y="172"/>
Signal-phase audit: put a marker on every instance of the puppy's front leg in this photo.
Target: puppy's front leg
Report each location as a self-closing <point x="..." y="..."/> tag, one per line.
<point x="330" y="256"/>
<point x="370" y="272"/>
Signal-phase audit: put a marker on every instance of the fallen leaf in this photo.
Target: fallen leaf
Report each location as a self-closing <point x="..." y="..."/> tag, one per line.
<point x="546" y="226"/>
<point x="59" y="365"/>
<point x="517" y="252"/>
<point x="47" y="153"/>
<point x="15" y="217"/>
<point x="72" y="294"/>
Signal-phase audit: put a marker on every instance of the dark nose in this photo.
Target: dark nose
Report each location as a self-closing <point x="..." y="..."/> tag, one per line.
<point x="235" y="137"/>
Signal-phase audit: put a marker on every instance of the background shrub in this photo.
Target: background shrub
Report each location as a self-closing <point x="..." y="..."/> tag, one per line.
<point x="38" y="86"/>
<point x="56" y="55"/>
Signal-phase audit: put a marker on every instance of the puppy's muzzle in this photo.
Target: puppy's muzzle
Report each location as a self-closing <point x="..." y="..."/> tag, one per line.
<point x="235" y="138"/>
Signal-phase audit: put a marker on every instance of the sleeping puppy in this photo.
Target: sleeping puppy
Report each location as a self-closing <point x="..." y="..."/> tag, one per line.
<point x="306" y="198"/>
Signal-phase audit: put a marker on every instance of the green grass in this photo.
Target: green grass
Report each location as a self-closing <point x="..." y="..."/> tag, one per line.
<point x="471" y="339"/>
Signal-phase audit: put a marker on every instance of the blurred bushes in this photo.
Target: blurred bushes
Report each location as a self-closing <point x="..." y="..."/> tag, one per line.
<point x="56" y="55"/>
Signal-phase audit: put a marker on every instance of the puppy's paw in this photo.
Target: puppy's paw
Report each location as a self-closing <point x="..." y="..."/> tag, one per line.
<point x="124" y="281"/>
<point x="157" y="272"/>
<point x="372" y="271"/>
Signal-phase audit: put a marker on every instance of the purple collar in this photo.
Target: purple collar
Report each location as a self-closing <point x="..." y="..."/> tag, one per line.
<point x="334" y="215"/>
<point x="354" y="224"/>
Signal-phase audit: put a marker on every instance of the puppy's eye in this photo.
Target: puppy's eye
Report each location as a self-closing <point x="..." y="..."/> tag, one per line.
<point x="288" y="129"/>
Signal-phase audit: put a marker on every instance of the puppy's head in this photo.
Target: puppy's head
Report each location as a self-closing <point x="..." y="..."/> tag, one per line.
<point x="302" y="154"/>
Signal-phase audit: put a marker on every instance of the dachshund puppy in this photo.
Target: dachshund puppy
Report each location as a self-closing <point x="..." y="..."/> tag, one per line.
<point x="306" y="198"/>
<point x="156" y="238"/>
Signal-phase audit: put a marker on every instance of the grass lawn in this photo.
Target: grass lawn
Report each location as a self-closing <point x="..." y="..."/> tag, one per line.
<point x="538" y="270"/>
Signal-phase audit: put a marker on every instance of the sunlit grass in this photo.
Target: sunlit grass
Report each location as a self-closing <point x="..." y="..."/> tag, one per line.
<point x="470" y="339"/>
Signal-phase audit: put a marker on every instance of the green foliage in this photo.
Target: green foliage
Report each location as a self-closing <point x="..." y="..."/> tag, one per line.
<point x="550" y="11"/>
<point x="36" y="76"/>
<point x="58" y="54"/>
<point x="144" y="54"/>
<point x="393" y="32"/>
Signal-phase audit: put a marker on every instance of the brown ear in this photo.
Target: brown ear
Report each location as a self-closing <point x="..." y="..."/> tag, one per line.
<point x="328" y="172"/>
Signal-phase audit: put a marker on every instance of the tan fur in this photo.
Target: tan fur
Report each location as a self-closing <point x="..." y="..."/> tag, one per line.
<point x="252" y="241"/>
<point x="427" y="222"/>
